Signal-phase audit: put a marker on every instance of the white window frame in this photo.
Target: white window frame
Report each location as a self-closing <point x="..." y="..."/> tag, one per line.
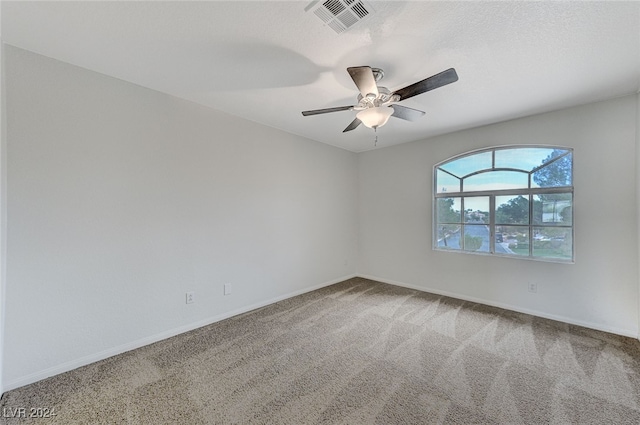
<point x="529" y="193"/>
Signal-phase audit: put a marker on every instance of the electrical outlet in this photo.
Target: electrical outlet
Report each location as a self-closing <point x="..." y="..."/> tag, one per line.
<point x="532" y="287"/>
<point x="227" y="289"/>
<point x="190" y="297"/>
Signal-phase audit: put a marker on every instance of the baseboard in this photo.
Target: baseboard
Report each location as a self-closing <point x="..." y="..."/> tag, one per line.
<point x="598" y="327"/>
<point x="83" y="361"/>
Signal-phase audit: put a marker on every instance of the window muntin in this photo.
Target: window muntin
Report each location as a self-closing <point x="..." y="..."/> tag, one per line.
<point x="512" y="201"/>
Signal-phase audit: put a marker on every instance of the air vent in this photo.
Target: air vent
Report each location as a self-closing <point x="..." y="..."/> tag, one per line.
<point x="340" y="15"/>
<point x="334" y="6"/>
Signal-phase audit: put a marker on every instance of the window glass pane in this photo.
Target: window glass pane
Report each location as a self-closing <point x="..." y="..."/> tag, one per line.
<point x="558" y="173"/>
<point x="552" y="242"/>
<point x="449" y="236"/>
<point x="468" y="164"/>
<point x="496" y="180"/>
<point x="512" y="209"/>
<point x="553" y="208"/>
<point x="525" y="158"/>
<point x="476" y="209"/>
<point x="476" y="238"/>
<point x="449" y="210"/>
<point x="504" y="196"/>
<point x="513" y="240"/>
<point x="446" y="182"/>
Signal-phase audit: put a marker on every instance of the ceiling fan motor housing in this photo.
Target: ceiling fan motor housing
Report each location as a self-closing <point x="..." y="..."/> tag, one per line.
<point x="384" y="98"/>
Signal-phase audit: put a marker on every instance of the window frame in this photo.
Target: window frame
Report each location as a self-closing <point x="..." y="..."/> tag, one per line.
<point x="529" y="193"/>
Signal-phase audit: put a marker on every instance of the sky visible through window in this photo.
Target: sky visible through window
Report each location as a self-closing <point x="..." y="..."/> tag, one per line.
<point x="525" y="159"/>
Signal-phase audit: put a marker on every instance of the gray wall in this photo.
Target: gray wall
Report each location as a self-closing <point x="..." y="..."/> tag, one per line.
<point x="600" y="290"/>
<point x="121" y="199"/>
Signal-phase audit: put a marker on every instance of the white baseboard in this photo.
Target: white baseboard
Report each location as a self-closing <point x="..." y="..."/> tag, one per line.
<point x="83" y="361"/>
<point x="596" y="326"/>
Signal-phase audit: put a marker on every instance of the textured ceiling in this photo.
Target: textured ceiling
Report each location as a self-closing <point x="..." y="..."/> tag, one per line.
<point x="267" y="61"/>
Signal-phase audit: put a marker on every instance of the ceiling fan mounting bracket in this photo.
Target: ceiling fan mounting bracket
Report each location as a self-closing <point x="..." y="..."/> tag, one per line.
<point x="378" y="74"/>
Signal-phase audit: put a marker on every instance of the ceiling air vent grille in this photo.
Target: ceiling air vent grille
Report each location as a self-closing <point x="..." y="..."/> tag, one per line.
<point x="360" y="10"/>
<point x="340" y="15"/>
<point x="334" y="6"/>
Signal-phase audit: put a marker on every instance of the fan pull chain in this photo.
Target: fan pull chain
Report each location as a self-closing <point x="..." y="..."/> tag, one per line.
<point x="375" y="142"/>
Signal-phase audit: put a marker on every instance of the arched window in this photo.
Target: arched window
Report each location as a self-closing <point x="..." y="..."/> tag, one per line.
<point x="512" y="201"/>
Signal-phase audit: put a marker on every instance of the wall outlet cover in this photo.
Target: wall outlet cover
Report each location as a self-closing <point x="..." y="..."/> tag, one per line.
<point x="190" y="297"/>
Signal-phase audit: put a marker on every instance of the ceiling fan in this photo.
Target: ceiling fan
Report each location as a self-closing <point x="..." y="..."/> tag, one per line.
<point x="376" y="103"/>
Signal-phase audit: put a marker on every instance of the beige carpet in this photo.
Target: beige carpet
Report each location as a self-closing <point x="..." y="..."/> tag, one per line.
<point x="359" y="352"/>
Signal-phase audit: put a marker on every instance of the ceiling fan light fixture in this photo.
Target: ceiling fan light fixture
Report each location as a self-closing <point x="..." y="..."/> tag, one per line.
<point x="375" y="117"/>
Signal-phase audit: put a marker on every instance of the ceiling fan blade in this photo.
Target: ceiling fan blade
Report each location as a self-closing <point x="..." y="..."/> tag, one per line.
<point x="364" y="79"/>
<point x="327" y="110"/>
<point x="355" y="123"/>
<point x="442" y="79"/>
<point x="405" y="113"/>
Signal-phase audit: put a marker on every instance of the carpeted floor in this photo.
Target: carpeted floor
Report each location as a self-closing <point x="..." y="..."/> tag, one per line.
<point x="358" y="352"/>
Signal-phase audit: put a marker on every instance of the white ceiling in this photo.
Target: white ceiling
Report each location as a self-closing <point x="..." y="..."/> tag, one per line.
<point x="267" y="61"/>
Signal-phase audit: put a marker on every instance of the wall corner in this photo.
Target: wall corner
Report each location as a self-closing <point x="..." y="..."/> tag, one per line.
<point x="3" y="204"/>
<point x="638" y="196"/>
